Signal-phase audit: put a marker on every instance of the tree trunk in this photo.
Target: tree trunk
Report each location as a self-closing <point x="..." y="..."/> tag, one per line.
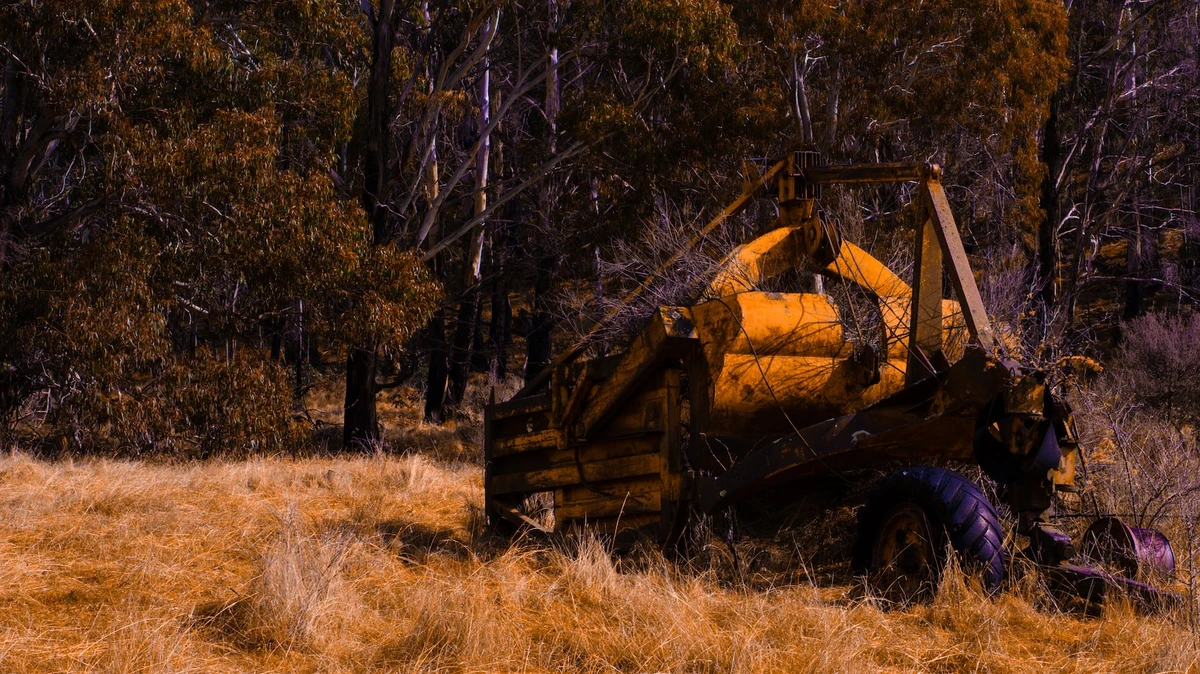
<point x="831" y="104"/>
<point x="293" y="350"/>
<point x="480" y="362"/>
<point x="1135" y="292"/>
<point x="537" y="342"/>
<point x="464" y="327"/>
<point x="1139" y="258"/>
<point x="460" y="350"/>
<point x="500" y="330"/>
<point x="435" y="384"/>
<point x="800" y="101"/>
<point x="1047" y="264"/>
<point x="378" y="116"/>
<point x="360" y="429"/>
<point x="360" y="424"/>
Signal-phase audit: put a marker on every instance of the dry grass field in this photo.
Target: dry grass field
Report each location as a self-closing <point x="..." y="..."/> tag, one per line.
<point x="380" y="564"/>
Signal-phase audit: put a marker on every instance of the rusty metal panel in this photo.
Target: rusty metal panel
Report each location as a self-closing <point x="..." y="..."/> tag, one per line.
<point x="860" y="174"/>
<point x="925" y="331"/>
<point x="958" y="266"/>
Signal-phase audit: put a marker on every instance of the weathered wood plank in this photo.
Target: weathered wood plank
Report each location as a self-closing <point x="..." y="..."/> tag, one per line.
<point x="599" y="471"/>
<point x="643" y="413"/>
<point x="669" y="450"/>
<point x="638" y="486"/>
<point x="522" y="424"/>
<point x="607" y="526"/>
<point x="583" y="453"/>
<point x="501" y="447"/>
<point x="669" y="333"/>
<point x="573" y="405"/>
<point x="618" y="498"/>
<point x="519" y="406"/>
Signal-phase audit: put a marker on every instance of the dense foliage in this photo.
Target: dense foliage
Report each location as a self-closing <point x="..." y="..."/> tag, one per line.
<point x="202" y="199"/>
<point x="170" y="208"/>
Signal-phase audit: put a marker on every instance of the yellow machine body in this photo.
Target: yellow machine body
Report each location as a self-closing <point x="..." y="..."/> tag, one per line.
<point x="750" y="389"/>
<point x="776" y="362"/>
<point x="617" y="442"/>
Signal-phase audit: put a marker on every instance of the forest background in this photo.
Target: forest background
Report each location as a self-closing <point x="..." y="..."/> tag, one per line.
<point x="205" y="207"/>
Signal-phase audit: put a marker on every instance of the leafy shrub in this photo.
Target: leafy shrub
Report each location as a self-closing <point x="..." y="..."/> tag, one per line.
<point x="204" y="406"/>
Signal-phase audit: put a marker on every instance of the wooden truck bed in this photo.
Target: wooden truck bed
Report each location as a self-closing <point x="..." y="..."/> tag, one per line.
<point x="625" y="479"/>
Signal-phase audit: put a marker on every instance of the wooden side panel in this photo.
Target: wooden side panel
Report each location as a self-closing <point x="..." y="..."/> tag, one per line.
<point x="522" y="406"/>
<point x="597" y="471"/>
<point x="610" y="526"/>
<point x="669" y="448"/>
<point x="532" y="421"/>
<point x="670" y="333"/>
<point x="526" y="442"/>
<point x="625" y="477"/>
<point x="626" y="497"/>
<point x="644" y="413"/>
<point x="585" y="454"/>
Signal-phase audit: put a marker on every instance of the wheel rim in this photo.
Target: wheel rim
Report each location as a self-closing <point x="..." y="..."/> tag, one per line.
<point x="904" y="558"/>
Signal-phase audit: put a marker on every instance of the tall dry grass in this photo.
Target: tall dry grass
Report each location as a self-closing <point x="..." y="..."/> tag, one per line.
<point x="380" y="564"/>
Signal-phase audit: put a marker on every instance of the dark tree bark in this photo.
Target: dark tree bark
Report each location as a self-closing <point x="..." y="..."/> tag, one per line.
<point x="1140" y="260"/>
<point x="538" y="347"/>
<point x="537" y="342"/>
<point x="500" y="330"/>
<point x="480" y="360"/>
<point x="1135" y="291"/>
<point x="460" y="349"/>
<point x="375" y="169"/>
<point x="8" y="128"/>
<point x="1047" y="261"/>
<point x="435" y="384"/>
<point x="276" y="327"/>
<point x="294" y="344"/>
<point x="361" y="423"/>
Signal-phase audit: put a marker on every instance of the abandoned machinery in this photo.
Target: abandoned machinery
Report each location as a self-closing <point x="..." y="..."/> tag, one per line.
<point x="714" y="403"/>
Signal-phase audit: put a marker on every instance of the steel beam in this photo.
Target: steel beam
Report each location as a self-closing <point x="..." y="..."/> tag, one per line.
<point x="958" y="267"/>
<point x="925" y="318"/>
<point x="860" y="174"/>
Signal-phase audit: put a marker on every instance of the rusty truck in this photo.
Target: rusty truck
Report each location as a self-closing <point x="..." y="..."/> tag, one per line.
<point x="717" y="401"/>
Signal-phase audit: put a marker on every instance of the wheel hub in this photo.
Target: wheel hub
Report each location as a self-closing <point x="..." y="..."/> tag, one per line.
<point x="905" y="558"/>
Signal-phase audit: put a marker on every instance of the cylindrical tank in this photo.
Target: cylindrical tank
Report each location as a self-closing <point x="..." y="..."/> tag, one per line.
<point x="775" y="361"/>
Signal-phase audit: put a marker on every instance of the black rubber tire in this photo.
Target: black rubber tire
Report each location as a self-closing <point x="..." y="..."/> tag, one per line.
<point x="948" y="498"/>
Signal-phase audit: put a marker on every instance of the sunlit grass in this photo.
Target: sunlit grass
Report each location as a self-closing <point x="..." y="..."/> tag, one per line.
<point x="380" y="564"/>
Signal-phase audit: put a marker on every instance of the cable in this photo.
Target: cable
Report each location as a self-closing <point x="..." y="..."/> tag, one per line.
<point x="907" y="344"/>
<point x="770" y="389"/>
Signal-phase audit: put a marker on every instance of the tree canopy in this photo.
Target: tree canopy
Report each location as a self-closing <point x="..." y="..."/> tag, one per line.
<point x="204" y="202"/>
